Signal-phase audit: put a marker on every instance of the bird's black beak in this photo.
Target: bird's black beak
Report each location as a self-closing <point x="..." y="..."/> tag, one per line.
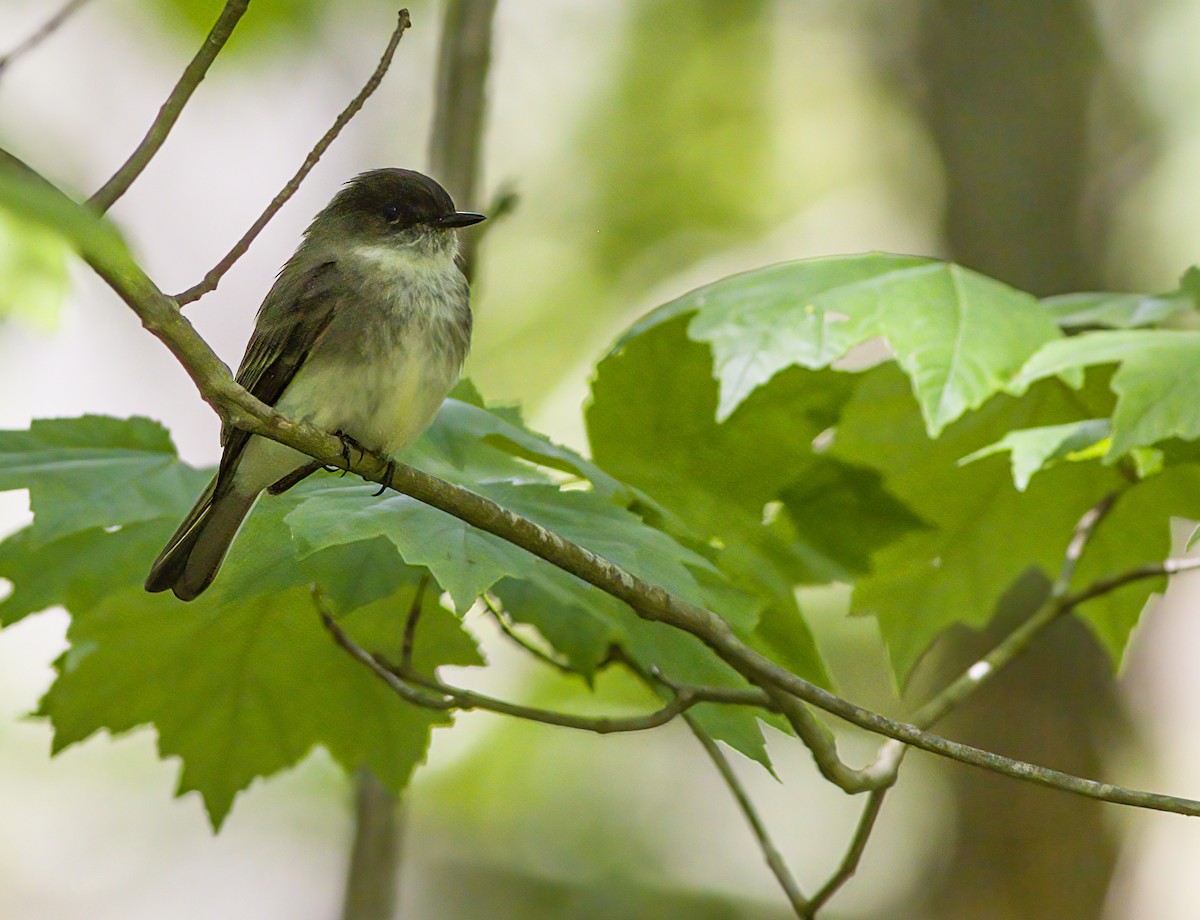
<point x="459" y="219"/>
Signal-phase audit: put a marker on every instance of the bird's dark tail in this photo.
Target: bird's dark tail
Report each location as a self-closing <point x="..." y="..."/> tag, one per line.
<point x="190" y="560"/>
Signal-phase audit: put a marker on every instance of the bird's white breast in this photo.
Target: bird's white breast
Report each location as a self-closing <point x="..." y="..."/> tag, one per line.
<point x="386" y="362"/>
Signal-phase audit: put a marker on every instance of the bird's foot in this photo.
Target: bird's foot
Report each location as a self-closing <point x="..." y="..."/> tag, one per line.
<point x="348" y="443"/>
<point x="391" y="471"/>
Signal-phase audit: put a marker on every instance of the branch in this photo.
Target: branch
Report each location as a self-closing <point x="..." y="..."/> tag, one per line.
<point x="416" y="690"/>
<point x="1111" y="583"/>
<point x="160" y="315"/>
<point x="195" y="71"/>
<point x="849" y="865"/>
<point x="775" y="861"/>
<point x="1015" y="643"/>
<point x="40" y="34"/>
<point x="217" y="272"/>
<point x="456" y="143"/>
<point x="823" y="746"/>
<point x="508" y="628"/>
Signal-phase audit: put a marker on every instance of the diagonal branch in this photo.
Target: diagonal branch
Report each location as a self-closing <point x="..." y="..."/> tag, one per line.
<point x="161" y="317"/>
<point x="849" y="864"/>
<point x="217" y="272"/>
<point x="774" y="859"/>
<point x="39" y="35"/>
<point x="1057" y="603"/>
<point x="195" y="71"/>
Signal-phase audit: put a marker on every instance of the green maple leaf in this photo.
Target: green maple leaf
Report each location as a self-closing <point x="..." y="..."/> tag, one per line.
<point x="958" y="335"/>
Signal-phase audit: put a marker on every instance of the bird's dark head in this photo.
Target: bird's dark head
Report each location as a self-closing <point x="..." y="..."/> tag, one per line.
<point x="392" y="206"/>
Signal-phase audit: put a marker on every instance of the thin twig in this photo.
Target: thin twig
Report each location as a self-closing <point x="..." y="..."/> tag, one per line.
<point x="1085" y="529"/>
<point x="1113" y="582"/>
<point x="195" y="71"/>
<point x="509" y="629"/>
<point x="1016" y="642"/>
<point x="39" y="35"/>
<point x="410" y="624"/>
<point x="849" y="864"/>
<point x="214" y="275"/>
<point x="404" y="690"/>
<point x="456" y="142"/>
<point x="430" y="693"/>
<point x="775" y="861"/>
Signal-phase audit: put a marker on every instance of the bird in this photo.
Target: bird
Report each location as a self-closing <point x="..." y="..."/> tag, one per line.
<point x="363" y="333"/>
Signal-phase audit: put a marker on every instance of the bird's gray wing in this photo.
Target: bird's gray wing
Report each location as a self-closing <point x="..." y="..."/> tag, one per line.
<point x="295" y="314"/>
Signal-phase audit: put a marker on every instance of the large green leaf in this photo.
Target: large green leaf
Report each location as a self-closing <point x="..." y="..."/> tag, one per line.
<point x="1125" y="311"/>
<point x="959" y="335"/>
<point x="244" y="681"/>
<point x="652" y="423"/>
<point x="243" y="689"/>
<point x="1136" y="532"/>
<point x="1155" y="381"/>
<point x="77" y="571"/>
<point x="984" y="533"/>
<point x="95" y="471"/>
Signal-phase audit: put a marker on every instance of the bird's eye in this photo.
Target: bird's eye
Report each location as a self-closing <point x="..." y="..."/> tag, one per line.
<point x="391" y="213"/>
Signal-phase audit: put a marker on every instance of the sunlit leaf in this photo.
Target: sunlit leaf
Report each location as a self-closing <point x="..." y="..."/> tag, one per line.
<point x="1033" y="449"/>
<point x="959" y="335"/>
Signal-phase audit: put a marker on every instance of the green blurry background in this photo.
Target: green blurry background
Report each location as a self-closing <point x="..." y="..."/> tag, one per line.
<point x="653" y="145"/>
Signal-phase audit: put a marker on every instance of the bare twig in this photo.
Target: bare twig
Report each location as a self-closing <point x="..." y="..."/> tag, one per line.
<point x="1085" y="529"/>
<point x="849" y="864"/>
<point x="430" y="693"/>
<point x="1015" y="643"/>
<point x="195" y="71"/>
<point x="401" y="688"/>
<point x="775" y="861"/>
<point x="507" y="627"/>
<point x="1111" y="583"/>
<point x="410" y="624"/>
<point x="823" y="746"/>
<point x="39" y="35"/>
<point x="456" y="144"/>
<point x="214" y="275"/>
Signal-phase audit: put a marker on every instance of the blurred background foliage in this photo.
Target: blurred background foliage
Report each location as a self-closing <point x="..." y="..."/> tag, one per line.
<point x="654" y="145"/>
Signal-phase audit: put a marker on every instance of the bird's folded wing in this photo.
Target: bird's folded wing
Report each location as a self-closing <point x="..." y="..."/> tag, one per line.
<point x="295" y="314"/>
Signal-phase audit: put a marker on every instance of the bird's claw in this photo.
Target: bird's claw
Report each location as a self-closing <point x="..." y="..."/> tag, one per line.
<point x="391" y="471"/>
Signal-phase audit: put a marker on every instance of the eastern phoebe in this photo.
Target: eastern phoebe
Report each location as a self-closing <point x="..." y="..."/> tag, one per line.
<point x="363" y="333"/>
